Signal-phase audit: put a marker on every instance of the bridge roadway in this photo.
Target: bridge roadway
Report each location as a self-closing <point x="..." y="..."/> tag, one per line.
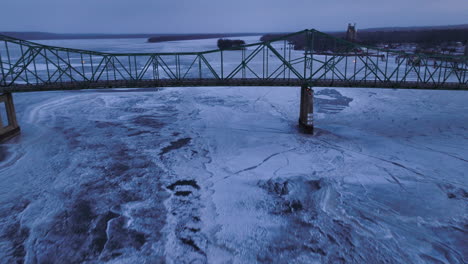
<point x="231" y="82"/>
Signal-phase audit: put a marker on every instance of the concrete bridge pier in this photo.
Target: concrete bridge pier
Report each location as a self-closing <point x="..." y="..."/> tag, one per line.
<point x="306" y="114"/>
<point x="8" y="124"/>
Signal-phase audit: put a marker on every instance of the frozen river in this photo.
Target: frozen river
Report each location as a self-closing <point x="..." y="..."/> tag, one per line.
<point x="222" y="175"/>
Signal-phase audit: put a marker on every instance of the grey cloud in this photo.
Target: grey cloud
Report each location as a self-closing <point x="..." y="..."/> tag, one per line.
<point x="187" y="16"/>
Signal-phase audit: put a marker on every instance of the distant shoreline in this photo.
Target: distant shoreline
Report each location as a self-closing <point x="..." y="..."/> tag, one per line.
<point x="192" y="36"/>
<point x="158" y="37"/>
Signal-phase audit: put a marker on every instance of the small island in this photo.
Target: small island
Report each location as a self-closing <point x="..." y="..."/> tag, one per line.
<point x="230" y="44"/>
<point x="178" y="37"/>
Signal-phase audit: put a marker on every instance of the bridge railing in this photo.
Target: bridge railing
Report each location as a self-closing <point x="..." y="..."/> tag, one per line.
<point x="308" y="57"/>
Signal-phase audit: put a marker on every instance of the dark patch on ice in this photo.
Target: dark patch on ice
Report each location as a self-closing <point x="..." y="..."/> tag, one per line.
<point x="287" y="207"/>
<point x="430" y="259"/>
<point x="192" y="183"/>
<point x="315" y="185"/>
<point x="65" y="239"/>
<point x="192" y="244"/>
<point x="139" y="133"/>
<point x="289" y="197"/>
<point x="330" y="237"/>
<point x="105" y="124"/>
<point x="17" y="236"/>
<point x="327" y="134"/>
<point x="120" y="237"/>
<point x="295" y="205"/>
<point x="454" y="192"/>
<point x="175" y="145"/>
<point x="281" y="187"/>
<point x="100" y="235"/>
<point x="3" y="153"/>
<point x="98" y="186"/>
<point x="79" y="217"/>
<point x="231" y="101"/>
<point x="182" y="193"/>
<point x="129" y="196"/>
<point x="149" y="121"/>
<point x="72" y="136"/>
<point x="317" y="250"/>
<point x="21" y="205"/>
<point x="275" y="187"/>
<point x="90" y="221"/>
<point x="316" y="236"/>
<point x="186" y="221"/>
<point x="336" y="104"/>
<point x="117" y="169"/>
<point x="194" y="230"/>
<point x="136" y="110"/>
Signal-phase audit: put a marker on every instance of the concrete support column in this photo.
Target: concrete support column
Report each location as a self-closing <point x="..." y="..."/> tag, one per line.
<point x="9" y="127"/>
<point x="306" y="114"/>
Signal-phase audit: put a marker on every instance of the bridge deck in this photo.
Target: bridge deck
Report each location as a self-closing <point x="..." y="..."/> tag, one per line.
<point x="231" y="82"/>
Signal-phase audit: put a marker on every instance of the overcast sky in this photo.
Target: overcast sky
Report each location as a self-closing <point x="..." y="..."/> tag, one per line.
<point x="188" y="16"/>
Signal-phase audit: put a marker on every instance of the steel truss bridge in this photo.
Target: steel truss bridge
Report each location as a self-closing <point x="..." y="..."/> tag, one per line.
<point x="322" y="60"/>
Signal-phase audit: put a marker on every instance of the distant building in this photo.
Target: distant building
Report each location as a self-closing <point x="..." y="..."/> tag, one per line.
<point x="351" y="33"/>
<point x="466" y="48"/>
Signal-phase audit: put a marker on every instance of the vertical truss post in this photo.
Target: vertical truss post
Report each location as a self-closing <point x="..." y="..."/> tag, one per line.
<point x="3" y="79"/>
<point x="465" y="69"/>
<point x="199" y="67"/>
<point x="346" y="64"/>
<point x="69" y="65"/>
<point x="266" y="66"/>
<point x="82" y="66"/>
<point x="114" y="67"/>
<point x="136" y="67"/>
<point x="244" y="75"/>
<point x="222" y="65"/>
<point x="263" y="61"/>
<point x="36" y="76"/>
<point x="386" y="66"/>
<point x="9" y="61"/>
<point x="59" y="68"/>
<point x="24" y="65"/>
<point x="312" y="53"/>
<point x="92" y="67"/>
<point x="306" y="49"/>
<point x="289" y="61"/>
<point x="47" y="66"/>
<point x="284" y="56"/>
<point x="129" y="66"/>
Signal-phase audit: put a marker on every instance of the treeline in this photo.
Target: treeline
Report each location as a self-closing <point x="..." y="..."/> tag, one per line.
<point x="319" y="42"/>
<point x="230" y="43"/>
<point x="47" y="36"/>
<point x="421" y="37"/>
<point x="425" y="37"/>
<point x="163" y="38"/>
<point x="183" y="37"/>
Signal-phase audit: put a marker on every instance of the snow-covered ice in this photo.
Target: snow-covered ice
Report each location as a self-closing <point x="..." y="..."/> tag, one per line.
<point x="222" y="175"/>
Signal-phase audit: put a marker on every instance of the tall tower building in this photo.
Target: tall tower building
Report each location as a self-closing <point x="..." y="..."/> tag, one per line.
<point x="351" y="33"/>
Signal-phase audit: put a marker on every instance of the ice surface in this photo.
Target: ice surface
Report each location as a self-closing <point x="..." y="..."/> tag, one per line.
<point x="222" y="175"/>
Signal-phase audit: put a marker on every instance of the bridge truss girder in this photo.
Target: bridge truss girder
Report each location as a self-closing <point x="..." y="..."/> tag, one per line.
<point x="25" y="65"/>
